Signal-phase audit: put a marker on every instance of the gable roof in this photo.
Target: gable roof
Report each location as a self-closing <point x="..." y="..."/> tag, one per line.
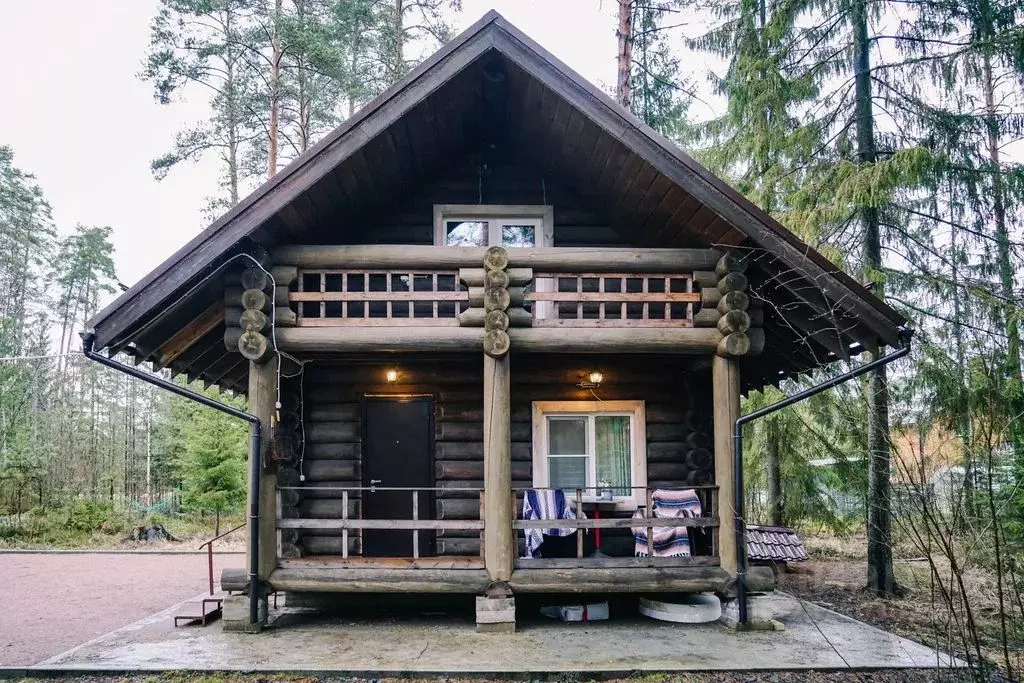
<point x="659" y="194"/>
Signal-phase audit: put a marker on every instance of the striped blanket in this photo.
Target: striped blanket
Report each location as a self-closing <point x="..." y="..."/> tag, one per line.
<point x="546" y="504"/>
<point x="668" y="541"/>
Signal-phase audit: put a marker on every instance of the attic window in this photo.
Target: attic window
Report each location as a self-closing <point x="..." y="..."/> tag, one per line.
<point x="482" y="225"/>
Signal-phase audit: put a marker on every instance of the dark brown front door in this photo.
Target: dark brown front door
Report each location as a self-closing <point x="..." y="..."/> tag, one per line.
<point x="398" y="451"/>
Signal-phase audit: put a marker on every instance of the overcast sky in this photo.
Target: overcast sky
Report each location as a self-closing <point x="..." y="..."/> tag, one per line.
<point x="79" y="118"/>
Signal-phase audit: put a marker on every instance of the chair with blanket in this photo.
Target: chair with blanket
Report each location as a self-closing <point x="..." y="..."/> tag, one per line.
<point x="549" y="504"/>
<point x="669" y="541"/>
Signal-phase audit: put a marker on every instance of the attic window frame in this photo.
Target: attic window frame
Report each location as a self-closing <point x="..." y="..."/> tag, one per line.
<point x="542" y="214"/>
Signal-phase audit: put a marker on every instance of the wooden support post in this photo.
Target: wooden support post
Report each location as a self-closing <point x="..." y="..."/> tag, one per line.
<point x="497" y="469"/>
<point x="725" y="382"/>
<point x="415" y="518"/>
<point x="344" y="532"/>
<point x="262" y="396"/>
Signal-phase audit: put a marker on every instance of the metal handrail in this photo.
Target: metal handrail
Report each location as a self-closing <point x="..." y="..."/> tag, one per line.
<point x="209" y="551"/>
<point x="217" y="538"/>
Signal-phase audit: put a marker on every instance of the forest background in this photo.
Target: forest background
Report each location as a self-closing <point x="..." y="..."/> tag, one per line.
<point x="886" y="133"/>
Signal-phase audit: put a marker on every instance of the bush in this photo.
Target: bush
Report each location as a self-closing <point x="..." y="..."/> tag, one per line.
<point x="89" y="515"/>
<point x="71" y="524"/>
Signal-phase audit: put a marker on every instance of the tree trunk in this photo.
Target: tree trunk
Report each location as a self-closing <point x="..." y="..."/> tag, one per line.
<point x="304" y="96"/>
<point x="275" y="91"/>
<point x="772" y="456"/>
<point x="230" y="88"/>
<point x="963" y="420"/>
<point x="216" y="524"/>
<point x="880" y="573"/>
<point x="1004" y="267"/>
<point x="398" y="57"/>
<point x="1004" y="263"/>
<point x="625" y="54"/>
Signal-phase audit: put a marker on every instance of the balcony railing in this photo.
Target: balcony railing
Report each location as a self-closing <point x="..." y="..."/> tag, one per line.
<point x="330" y="298"/>
<point x="417" y="298"/>
<point x="613" y="300"/>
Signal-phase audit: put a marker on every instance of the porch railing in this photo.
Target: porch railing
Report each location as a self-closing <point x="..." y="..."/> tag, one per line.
<point x="347" y="524"/>
<point x="708" y="521"/>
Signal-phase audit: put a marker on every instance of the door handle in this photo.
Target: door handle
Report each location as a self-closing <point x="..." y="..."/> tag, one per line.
<point x="374" y="483"/>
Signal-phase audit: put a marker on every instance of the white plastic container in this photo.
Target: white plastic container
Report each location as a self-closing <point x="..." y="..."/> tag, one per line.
<point x="594" y="611"/>
<point x="699" y="608"/>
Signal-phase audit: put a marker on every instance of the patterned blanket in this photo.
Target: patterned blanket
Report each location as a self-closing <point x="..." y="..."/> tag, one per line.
<point x="668" y="541"/>
<point x="546" y="504"/>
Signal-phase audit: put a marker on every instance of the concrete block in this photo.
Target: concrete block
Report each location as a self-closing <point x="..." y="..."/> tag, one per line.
<point x="495" y="615"/>
<point x="760" y="616"/>
<point x="235" y="614"/>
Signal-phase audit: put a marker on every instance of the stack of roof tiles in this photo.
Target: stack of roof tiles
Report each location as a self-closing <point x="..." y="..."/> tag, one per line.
<point x="774" y="544"/>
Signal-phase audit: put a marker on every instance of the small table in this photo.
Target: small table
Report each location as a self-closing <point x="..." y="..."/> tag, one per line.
<point x="597" y="504"/>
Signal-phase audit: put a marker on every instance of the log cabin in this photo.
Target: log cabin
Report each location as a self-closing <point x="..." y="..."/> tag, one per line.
<point x="492" y="278"/>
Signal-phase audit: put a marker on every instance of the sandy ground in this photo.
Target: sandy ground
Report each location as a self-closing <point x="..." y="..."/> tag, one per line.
<point x="57" y="601"/>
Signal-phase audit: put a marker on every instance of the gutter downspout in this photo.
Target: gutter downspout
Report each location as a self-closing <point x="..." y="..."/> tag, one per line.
<point x="905" y="335"/>
<point x="255" y="429"/>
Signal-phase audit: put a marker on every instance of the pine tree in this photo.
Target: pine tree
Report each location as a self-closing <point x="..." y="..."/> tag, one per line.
<point x="200" y="44"/>
<point x="649" y="82"/>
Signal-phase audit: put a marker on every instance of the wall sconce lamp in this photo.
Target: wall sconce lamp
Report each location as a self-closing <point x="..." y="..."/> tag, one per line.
<point x="391" y="375"/>
<point x="593" y="381"/>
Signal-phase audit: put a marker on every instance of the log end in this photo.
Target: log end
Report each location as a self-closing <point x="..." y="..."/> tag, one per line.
<point x="496" y="343"/>
<point x="735" y="344"/>
<point x="496" y="258"/>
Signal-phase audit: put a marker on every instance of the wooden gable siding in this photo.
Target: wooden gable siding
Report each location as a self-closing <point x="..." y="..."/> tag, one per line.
<point x="576" y="224"/>
<point x="545" y="117"/>
<point x="678" y="404"/>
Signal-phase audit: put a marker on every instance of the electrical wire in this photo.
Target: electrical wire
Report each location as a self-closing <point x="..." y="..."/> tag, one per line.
<point x="302" y="418"/>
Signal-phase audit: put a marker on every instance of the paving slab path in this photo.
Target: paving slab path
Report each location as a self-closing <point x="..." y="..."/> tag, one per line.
<point x="444" y="644"/>
<point x="55" y="601"/>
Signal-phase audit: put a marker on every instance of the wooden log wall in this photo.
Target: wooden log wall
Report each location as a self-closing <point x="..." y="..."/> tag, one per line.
<point x="284" y="449"/>
<point x="678" y="403"/>
<point x="725" y="305"/>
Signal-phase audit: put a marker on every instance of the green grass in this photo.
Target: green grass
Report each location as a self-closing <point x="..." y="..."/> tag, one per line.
<point x="92" y="524"/>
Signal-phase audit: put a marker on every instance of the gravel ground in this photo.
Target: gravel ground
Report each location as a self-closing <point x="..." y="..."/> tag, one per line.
<point x="55" y="602"/>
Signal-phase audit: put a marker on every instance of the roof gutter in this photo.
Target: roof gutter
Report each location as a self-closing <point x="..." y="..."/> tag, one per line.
<point x="255" y="427"/>
<point x="905" y="335"/>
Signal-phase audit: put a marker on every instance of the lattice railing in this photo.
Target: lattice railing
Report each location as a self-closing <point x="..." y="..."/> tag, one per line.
<point x="613" y="300"/>
<point x="378" y="297"/>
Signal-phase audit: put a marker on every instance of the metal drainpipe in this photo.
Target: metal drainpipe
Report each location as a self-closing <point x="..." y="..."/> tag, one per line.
<point x="905" y="335"/>
<point x="255" y="428"/>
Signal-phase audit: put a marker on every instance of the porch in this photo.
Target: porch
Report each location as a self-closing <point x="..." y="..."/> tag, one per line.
<point x="593" y="572"/>
<point x="661" y="328"/>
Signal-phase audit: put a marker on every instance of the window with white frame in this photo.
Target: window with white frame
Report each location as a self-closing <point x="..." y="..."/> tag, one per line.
<point x="483" y="225"/>
<point x="597" y="446"/>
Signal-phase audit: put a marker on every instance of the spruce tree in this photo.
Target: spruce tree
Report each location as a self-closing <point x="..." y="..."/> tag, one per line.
<point x="213" y="462"/>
